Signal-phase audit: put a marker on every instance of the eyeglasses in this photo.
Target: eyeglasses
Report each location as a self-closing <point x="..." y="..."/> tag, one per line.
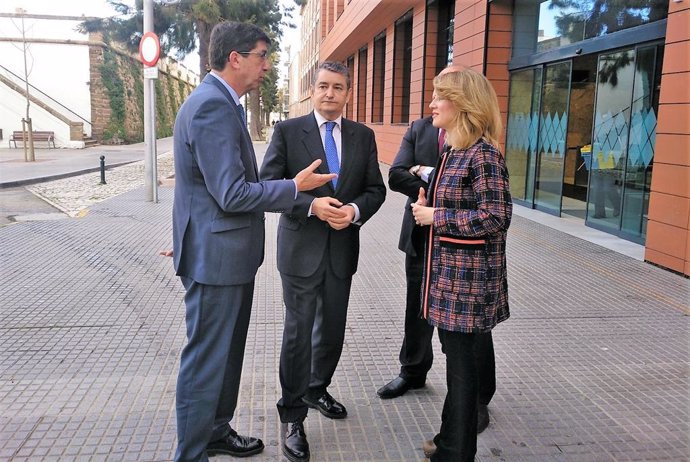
<point x="263" y="55"/>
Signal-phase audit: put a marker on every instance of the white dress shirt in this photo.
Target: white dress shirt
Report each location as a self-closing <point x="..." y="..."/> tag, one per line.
<point x="338" y="137"/>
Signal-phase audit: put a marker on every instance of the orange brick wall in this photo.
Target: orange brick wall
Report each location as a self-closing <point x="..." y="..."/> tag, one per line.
<point x="470" y="33"/>
<point x="416" y="70"/>
<point x="498" y="55"/>
<point x="668" y="235"/>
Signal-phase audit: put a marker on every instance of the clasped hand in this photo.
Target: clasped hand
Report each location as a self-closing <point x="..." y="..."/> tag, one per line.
<point x="333" y="212"/>
<point x="423" y="215"/>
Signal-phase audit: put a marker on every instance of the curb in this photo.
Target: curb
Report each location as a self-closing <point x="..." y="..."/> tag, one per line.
<point x="43" y="179"/>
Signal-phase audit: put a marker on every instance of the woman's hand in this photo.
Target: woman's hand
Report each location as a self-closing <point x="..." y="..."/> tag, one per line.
<point x="421" y="197"/>
<point x="423" y="215"/>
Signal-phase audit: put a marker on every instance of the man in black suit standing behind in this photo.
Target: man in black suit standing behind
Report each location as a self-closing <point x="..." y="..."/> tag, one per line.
<point x="318" y="246"/>
<point x="412" y="169"/>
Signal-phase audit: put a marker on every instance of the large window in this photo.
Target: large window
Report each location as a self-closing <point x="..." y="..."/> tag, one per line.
<point x="547" y="24"/>
<point x="362" y="85"/>
<point x="351" y="71"/>
<point x="378" y="78"/>
<point x="438" y="40"/>
<point x="446" y="26"/>
<point x="402" y="66"/>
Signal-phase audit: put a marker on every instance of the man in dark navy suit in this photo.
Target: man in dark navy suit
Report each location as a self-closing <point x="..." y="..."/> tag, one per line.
<point x="318" y="246"/>
<point x="218" y="239"/>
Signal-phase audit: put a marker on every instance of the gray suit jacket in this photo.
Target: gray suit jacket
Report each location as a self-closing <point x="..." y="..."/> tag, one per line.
<point x="302" y="240"/>
<point x="419" y="147"/>
<point x="218" y="219"/>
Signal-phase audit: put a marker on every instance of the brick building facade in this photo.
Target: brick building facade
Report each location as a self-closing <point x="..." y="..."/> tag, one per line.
<point x="595" y="107"/>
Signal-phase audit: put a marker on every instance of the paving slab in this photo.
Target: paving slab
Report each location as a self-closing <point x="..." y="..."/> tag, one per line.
<point x="591" y="366"/>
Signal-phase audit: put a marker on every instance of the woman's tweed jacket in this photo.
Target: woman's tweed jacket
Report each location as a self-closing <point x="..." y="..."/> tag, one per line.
<point x="465" y="286"/>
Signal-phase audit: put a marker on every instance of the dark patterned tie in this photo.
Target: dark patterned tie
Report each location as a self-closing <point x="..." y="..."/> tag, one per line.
<point x="331" y="152"/>
<point x="441" y="139"/>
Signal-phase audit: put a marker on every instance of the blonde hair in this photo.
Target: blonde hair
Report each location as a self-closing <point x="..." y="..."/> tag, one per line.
<point x="476" y="105"/>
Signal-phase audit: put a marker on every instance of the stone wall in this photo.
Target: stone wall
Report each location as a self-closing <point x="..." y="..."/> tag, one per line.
<point x="117" y="95"/>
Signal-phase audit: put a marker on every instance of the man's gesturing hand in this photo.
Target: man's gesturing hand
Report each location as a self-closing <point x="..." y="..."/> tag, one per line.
<point x="307" y="180"/>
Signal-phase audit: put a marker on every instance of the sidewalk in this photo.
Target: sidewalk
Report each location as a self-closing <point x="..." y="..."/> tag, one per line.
<point x="592" y="365"/>
<point x="53" y="164"/>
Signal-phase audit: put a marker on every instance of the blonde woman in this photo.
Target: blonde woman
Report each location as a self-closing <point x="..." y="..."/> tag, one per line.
<point x="465" y="290"/>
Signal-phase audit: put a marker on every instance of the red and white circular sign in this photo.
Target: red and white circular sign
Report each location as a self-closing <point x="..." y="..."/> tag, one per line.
<point x="149" y="49"/>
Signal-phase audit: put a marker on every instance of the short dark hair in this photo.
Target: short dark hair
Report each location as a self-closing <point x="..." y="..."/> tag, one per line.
<point x="333" y="66"/>
<point x="230" y="36"/>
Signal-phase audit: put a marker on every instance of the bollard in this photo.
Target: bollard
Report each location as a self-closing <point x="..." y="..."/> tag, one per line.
<point x="102" y="169"/>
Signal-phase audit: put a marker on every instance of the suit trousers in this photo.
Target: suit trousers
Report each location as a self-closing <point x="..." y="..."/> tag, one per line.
<point x="416" y="353"/>
<point x="457" y="440"/>
<point x="217" y="319"/>
<point x="315" y="317"/>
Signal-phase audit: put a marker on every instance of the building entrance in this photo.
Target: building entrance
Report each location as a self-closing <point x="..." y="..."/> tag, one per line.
<point x="581" y="133"/>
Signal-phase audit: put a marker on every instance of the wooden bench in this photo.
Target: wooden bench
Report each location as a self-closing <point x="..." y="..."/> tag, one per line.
<point x="39" y="136"/>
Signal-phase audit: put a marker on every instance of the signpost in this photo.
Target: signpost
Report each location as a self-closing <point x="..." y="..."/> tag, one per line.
<point x="149" y="52"/>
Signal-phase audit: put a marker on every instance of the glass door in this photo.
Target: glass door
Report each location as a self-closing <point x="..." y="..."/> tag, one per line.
<point x="553" y="126"/>
<point x="638" y="170"/>
<point x="523" y="129"/>
<point x="610" y="137"/>
<point x="623" y="140"/>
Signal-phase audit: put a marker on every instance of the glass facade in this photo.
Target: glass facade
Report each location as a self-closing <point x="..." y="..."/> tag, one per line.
<point x="582" y="129"/>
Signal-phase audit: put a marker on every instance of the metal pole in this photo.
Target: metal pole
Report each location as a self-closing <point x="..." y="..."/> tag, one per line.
<point x="150" y="160"/>
<point x="30" y="155"/>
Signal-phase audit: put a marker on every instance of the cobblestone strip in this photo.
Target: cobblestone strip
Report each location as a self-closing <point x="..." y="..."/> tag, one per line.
<point x="76" y="194"/>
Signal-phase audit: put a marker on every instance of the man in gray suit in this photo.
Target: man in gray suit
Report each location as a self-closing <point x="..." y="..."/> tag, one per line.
<point x="318" y="246"/>
<point x="218" y="239"/>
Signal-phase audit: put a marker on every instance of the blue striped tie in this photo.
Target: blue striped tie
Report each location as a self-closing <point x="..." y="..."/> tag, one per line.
<point x="331" y="152"/>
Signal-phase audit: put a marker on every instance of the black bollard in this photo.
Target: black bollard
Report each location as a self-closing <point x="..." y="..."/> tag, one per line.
<point x="102" y="169"/>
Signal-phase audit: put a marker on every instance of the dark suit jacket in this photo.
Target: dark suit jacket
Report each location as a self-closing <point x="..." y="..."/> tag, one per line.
<point x="419" y="147"/>
<point x="302" y="240"/>
<point x="218" y="222"/>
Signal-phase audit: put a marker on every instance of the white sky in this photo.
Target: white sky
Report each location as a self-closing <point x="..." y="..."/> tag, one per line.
<point x="102" y="8"/>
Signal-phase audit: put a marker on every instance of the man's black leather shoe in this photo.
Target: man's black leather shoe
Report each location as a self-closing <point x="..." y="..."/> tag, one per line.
<point x="396" y="387"/>
<point x="235" y="445"/>
<point x="295" y="446"/>
<point x="327" y="405"/>
<point x="482" y="417"/>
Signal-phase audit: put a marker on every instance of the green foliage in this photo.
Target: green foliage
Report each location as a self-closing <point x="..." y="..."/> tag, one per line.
<point x="179" y="25"/>
<point x="137" y="91"/>
<point x="116" y="94"/>
<point x="183" y="91"/>
<point x="163" y="124"/>
<point x="269" y="90"/>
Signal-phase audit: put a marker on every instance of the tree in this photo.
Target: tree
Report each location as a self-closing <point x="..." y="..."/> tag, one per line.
<point x="185" y="25"/>
<point x="269" y="94"/>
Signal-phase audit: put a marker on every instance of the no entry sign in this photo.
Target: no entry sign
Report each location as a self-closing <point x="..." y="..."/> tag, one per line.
<point x="149" y="49"/>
